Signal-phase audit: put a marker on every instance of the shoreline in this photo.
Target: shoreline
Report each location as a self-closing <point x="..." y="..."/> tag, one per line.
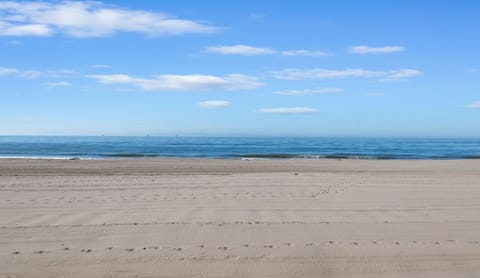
<point x="244" y="158"/>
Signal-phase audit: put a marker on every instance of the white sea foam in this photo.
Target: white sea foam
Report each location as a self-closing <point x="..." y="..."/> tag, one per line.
<point x="48" y="157"/>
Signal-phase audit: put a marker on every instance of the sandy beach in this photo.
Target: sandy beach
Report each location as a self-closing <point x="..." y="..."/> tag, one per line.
<point x="234" y="218"/>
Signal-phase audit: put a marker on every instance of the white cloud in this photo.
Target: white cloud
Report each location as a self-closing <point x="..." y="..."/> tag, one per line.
<point x="288" y="110"/>
<point x="59" y="73"/>
<point x="100" y="66"/>
<point x="34" y="74"/>
<point x="307" y="53"/>
<point x="30" y="74"/>
<point x="474" y="105"/>
<point x="39" y="30"/>
<point x="88" y="19"/>
<point x="363" y="49"/>
<point x="247" y="50"/>
<point x="257" y="16"/>
<point x="396" y="75"/>
<point x="171" y="82"/>
<point x="309" y="91"/>
<point x="214" y="104"/>
<point x="240" y="49"/>
<point x="57" y="84"/>
<point x="316" y="73"/>
<point x="7" y="71"/>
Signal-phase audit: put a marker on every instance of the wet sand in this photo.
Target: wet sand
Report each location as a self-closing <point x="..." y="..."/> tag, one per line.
<point x="233" y="218"/>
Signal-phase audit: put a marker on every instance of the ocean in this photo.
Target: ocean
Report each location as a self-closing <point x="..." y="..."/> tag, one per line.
<point x="107" y="147"/>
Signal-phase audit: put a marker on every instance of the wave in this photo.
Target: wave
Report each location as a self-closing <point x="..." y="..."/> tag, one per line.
<point x="472" y="157"/>
<point x="311" y="156"/>
<point x="47" y="157"/>
<point x="253" y="156"/>
<point x="278" y="155"/>
<point x="353" y="156"/>
<point x="130" y="155"/>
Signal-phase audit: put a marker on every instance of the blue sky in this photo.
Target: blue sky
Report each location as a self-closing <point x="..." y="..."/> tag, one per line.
<point x="294" y="68"/>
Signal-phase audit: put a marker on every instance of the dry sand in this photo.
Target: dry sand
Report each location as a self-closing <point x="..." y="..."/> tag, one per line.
<point x="232" y="218"/>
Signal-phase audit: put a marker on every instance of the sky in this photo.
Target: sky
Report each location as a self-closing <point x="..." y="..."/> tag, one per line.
<point x="240" y="68"/>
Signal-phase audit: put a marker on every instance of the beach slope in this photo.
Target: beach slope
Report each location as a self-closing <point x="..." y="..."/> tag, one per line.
<point x="234" y="218"/>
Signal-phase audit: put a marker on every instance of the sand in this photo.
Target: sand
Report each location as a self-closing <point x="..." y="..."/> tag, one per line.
<point x="232" y="218"/>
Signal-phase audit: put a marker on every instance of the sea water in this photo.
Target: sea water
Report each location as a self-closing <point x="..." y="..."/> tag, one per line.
<point x="107" y="147"/>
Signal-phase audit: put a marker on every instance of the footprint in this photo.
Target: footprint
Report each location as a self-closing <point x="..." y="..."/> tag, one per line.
<point x="38" y="252"/>
<point x="16" y="252"/>
<point x="222" y="248"/>
<point x="130" y="249"/>
<point x="268" y="246"/>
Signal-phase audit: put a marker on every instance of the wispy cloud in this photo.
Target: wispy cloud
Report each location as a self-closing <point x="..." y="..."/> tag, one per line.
<point x="288" y="110"/>
<point x="88" y="19"/>
<point x="257" y="16"/>
<point x="214" y="104"/>
<point x="7" y="71"/>
<point x="100" y="66"/>
<point x="171" y="82"/>
<point x="402" y="74"/>
<point x="30" y="74"/>
<point x="317" y="73"/>
<point x="34" y="74"/>
<point x="309" y="91"/>
<point x="363" y="49"/>
<point x="307" y="53"/>
<point x="240" y="49"/>
<point x="473" y="105"/>
<point x="247" y="50"/>
<point x="57" y="84"/>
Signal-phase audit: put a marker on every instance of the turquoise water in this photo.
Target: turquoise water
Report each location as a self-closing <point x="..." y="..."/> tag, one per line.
<point x="104" y="147"/>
